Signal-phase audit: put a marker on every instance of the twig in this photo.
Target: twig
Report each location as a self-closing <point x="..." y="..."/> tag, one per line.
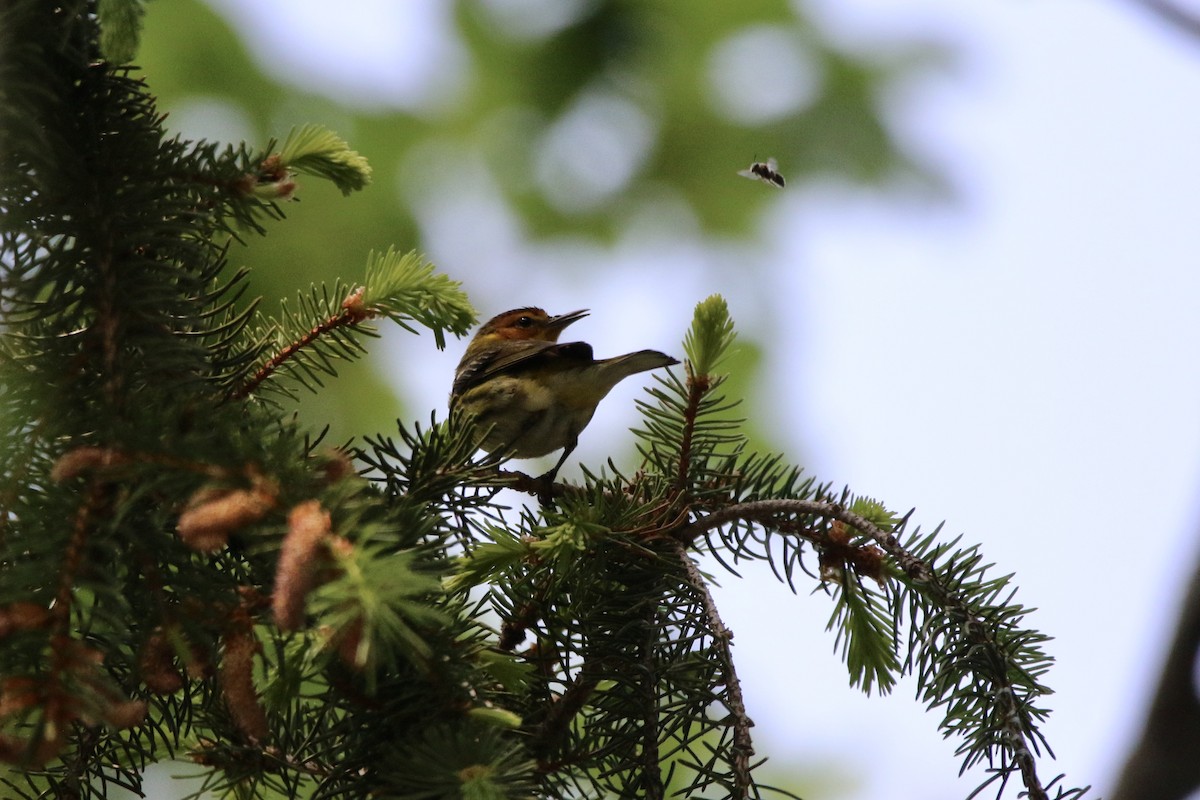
<point x="743" y="747"/>
<point x="535" y="487"/>
<point x="698" y="386"/>
<point x="353" y="312"/>
<point x="651" y="785"/>
<point x="561" y="711"/>
<point x="73" y="555"/>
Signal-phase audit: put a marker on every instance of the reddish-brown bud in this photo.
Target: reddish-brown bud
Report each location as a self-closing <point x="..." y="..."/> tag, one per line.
<point x="337" y="466"/>
<point x="271" y="168"/>
<point x="299" y="560"/>
<point x="18" y="694"/>
<point x="350" y="646"/>
<point x="355" y="307"/>
<point x="157" y="664"/>
<point x="82" y="459"/>
<point x="237" y="684"/>
<point x="868" y="562"/>
<point x="213" y="513"/>
<point x="125" y="714"/>
<point x="198" y="666"/>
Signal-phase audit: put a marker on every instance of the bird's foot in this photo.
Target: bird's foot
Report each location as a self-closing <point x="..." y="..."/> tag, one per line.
<point x="543" y="487"/>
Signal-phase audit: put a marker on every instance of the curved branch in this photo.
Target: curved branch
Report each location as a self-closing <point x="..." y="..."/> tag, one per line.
<point x="743" y="747"/>
<point x="1014" y="731"/>
<point x="651" y="784"/>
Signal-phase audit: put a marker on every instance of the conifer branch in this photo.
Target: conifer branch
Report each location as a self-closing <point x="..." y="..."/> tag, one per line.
<point x="353" y="313"/>
<point x="1011" y="713"/>
<point x="560" y="712"/>
<point x="314" y="150"/>
<point x="767" y="510"/>
<point x="400" y="287"/>
<point x="651" y="764"/>
<point x="697" y="386"/>
<point x="525" y="483"/>
<point x="743" y="746"/>
<point x="73" y="556"/>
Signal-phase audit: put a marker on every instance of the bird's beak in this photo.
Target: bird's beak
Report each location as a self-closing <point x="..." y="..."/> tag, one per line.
<point x="563" y="320"/>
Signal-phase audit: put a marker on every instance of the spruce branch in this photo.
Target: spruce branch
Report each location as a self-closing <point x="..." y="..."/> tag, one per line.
<point x="686" y="422"/>
<point x="970" y="654"/>
<point x="352" y="313"/>
<point x="708" y="340"/>
<point x="378" y="606"/>
<point x="400" y="287"/>
<point x="248" y="185"/>
<point x="650" y="755"/>
<point x="696" y="388"/>
<point x="559" y="714"/>
<point x="314" y="150"/>
<point x="71" y="685"/>
<point x="992" y="664"/>
<point x="743" y="747"/>
<point x="404" y="287"/>
<point x="144" y="520"/>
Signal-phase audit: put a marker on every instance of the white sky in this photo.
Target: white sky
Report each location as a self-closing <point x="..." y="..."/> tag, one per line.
<point x="1022" y="367"/>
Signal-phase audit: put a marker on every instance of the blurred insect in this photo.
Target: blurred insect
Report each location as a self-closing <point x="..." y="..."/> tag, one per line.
<point x="767" y="172"/>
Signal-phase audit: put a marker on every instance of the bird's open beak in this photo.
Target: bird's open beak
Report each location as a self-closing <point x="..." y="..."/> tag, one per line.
<point x="563" y="320"/>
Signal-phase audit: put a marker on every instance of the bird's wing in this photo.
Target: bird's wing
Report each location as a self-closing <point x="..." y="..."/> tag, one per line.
<point x="530" y="354"/>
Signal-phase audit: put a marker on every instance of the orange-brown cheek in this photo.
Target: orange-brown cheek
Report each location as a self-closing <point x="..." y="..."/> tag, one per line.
<point x="523" y="333"/>
<point x="514" y="333"/>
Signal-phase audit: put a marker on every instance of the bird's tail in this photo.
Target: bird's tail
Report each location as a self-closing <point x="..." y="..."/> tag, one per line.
<point x="633" y="363"/>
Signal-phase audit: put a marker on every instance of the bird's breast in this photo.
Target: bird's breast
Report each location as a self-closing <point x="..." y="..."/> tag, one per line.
<point x="525" y="417"/>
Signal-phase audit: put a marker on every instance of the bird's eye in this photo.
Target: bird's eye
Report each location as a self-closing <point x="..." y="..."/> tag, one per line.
<point x="524" y="322"/>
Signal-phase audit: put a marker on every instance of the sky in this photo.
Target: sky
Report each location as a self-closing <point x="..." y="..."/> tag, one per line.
<point x="1019" y="365"/>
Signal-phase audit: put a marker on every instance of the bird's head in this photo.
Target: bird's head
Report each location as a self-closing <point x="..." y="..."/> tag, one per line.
<point x="527" y="323"/>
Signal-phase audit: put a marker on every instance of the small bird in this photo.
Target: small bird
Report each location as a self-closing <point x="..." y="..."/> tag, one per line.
<point x="767" y="172"/>
<point x="527" y="394"/>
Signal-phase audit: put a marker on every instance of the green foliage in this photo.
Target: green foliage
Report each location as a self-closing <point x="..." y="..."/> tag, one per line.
<point x="378" y="589"/>
<point x="165" y="537"/>
<point x="187" y="572"/>
<point x="444" y="764"/>
<point x="120" y="27"/>
<point x="710" y="337"/>
<point x="864" y="633"/>
<point x="313" y="150"/>
<point x="406" y="287"/>
<point x="977" y="640"/>
<point x="489" y="560"/>
<point x="327" y="324"/>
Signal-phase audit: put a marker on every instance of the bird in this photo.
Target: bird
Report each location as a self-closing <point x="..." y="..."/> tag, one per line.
<point x="528" y="395"/>
<point x="767" y="172"/>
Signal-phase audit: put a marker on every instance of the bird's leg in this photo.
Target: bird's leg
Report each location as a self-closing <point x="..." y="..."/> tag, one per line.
<point x="545" y="483"/>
